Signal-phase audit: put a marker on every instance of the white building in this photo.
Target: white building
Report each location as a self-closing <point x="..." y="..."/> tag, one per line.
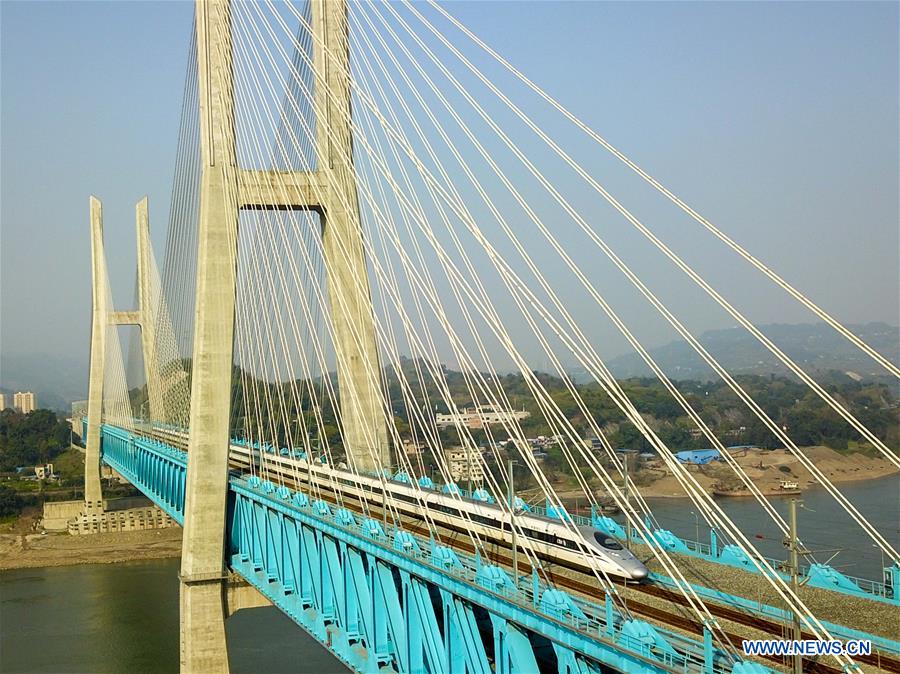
<point x="44" y="472"/>
<point x="480" y="416"/>
<point x="465" y="464"/>
<point x="2" y="401"/>
<point x="24" y="402"/>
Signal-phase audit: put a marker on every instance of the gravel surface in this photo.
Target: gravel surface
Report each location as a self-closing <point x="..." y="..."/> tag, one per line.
<point x="858" y="613"/>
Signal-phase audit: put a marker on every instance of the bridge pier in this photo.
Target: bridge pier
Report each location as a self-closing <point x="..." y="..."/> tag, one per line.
<point x="202" y="645"/>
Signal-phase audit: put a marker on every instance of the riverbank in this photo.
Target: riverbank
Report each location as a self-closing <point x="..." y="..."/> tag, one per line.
<point x="26" y="551"/>
<point x="767" y="469"/>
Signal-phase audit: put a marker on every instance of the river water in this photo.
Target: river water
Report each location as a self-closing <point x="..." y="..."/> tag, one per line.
<point x="823" y="526"/>
<point x="124" y="617"/>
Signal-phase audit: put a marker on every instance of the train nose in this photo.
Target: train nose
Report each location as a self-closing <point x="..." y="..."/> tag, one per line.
<point x="638" y="572"/>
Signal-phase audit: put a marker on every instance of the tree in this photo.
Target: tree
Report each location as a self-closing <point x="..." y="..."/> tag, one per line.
<point x="29" y="439"/>
<point x="10" y="502"/>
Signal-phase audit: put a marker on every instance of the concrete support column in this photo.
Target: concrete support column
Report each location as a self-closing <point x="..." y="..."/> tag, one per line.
<point x="93" y="496"/>
<point x="148" y="310"/>
<point x="203" y="607"/>
<point x="359" y="372"/>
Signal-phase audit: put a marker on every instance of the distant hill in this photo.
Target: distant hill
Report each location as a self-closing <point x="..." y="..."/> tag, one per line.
<point x="56" y="381"/>
<point x="815" y="347"/>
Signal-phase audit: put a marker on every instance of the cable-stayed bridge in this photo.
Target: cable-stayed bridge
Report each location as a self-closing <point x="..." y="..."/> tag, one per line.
<point x="365" y="195"/>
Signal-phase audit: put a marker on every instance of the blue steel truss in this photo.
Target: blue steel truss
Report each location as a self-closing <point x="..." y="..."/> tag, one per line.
<point x="387" y="599"/>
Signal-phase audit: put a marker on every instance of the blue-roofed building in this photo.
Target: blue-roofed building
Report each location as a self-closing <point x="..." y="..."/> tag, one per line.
<point x="699" y="457"/>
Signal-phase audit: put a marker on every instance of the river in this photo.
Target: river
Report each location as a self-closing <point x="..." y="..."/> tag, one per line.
<point x="823" y="526"/>
<point x="124" y="617"/>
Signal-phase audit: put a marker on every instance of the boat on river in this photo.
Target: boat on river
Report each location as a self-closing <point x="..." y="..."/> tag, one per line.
<point x="785" y="488"/>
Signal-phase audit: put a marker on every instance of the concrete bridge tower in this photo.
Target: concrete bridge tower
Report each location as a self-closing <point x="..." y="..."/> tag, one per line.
<point x="103" y="317"/>
<point x="330" y="191"/>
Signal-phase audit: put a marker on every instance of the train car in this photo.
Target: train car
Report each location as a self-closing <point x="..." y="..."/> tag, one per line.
<point x="550" y="539"/>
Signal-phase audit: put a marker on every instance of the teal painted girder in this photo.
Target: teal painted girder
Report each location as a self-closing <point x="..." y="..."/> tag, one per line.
<point x="375" y="606"/>
<point x="387" y="601"/>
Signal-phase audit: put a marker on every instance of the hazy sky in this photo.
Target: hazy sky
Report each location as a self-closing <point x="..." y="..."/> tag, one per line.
<point x="779" y="121"/>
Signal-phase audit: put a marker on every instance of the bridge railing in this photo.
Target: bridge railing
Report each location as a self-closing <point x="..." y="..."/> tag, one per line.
<point x="816" y="575"/>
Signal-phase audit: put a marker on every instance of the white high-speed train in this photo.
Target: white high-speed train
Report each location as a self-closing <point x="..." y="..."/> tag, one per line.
<point x="549" y="538"/>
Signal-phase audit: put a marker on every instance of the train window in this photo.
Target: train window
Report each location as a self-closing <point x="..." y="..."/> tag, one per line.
<point x="484" y="520"/>
<point x="445" y="509"/>
<point x="606" y="541"/>
<point x="540" y="535"/>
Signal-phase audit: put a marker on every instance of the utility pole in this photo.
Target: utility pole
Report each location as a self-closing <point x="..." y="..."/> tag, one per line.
<point x="794" y="547"/>
<point x="511" y="497"/>
<point x="627" y="505"/>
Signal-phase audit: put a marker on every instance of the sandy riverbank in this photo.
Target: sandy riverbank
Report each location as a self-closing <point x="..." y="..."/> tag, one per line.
<point x="23" y="551"/>
<point x="766" y="468"/>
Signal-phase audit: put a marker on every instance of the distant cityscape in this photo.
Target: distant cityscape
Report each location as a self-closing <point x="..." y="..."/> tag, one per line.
<point x="23" y="401"/>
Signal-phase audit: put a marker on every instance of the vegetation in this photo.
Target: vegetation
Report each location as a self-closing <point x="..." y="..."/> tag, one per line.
<point x="41" y="437"/>
<point x="791" y="404"/>
<point x="31" y="439"/>
<point x="807" y="419"/>
<point x="10" y="501"/>
<point x="70" y="467"/>
<point x="38" y="438"/>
